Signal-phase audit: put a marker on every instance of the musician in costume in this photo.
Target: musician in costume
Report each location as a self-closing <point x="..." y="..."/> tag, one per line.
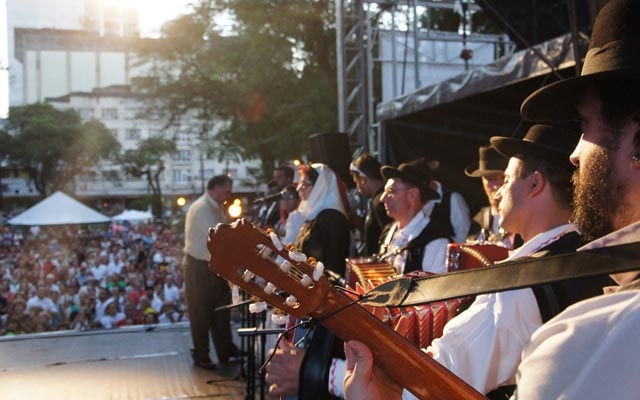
<point x="413" y="241"/>
<point x="365" y="172"/>
<point x="325" y="235"/>
<point x="482" y="345"/>
<point x="592" y="350"/>
<point x="486" y="223"/>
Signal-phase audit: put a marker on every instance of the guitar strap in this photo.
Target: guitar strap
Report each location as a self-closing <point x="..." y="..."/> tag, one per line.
<point x="526" y="272"/>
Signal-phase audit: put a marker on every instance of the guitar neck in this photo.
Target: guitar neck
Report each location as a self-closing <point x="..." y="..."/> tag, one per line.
<point x="396" y="356"/>
<point x="246" y="256"/>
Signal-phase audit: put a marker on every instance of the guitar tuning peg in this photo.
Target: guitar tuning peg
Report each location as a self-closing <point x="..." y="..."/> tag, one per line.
<point x="291" y="301"/>
<point x="275" y="239"/>
<point x="270" y="288"/>
<point x="257" y="307"/>
<point x="296" y="256"/>
<point x="279" y="319"/>
<point x="306" y="281"/>
<point x="285" y="266"/>
<point x="247" y="275"/>
<point x="318" y="270"/>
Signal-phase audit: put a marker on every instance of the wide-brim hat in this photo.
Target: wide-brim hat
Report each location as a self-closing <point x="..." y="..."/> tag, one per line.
<point x="417" y="173"/>
<point x="490" y="163"/>
<point x="613" y="57"/>
<point x="548" y="143"/>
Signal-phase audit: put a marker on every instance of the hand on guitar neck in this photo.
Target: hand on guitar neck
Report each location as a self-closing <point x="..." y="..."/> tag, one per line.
<point x="244" y="255"/>
<point x="363" y="380"/>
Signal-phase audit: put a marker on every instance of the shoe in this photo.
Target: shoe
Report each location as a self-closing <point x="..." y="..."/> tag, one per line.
<point x="236" y="356"/>
<point x="205" y="365"/>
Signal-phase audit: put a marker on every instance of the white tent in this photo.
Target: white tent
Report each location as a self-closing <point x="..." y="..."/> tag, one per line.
<point x="133" y="215"/>
<point x="58" y="209"/>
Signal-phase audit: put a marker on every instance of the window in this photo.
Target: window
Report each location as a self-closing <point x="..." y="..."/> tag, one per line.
<point x="207" y="174"/>
<point x="133" y="134"/>
<point x="85" y="113"/>
<point x="111" y="176"/>
<point x="182" y="156"/>
<point x="109" y="113"/>
<point x="181" y="175"/>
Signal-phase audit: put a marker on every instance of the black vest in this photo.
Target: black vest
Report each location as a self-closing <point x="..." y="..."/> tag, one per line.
<point x="433" y="230"/>
<point x="555" y="297"/>
<point x="442" y="213"/>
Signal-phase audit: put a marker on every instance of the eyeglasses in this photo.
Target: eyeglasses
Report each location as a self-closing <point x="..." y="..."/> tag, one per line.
<point x="391" y="191"/>
<point x="304" y="185"/>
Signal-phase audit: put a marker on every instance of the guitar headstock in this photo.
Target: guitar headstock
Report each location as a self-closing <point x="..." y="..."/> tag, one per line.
<point x="249" y="258"/>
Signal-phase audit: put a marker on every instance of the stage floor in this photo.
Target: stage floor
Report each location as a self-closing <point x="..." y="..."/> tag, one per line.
<point x="125" y="363"/>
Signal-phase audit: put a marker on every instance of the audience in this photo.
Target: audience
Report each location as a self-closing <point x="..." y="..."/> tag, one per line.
<point x="48" y="278"/>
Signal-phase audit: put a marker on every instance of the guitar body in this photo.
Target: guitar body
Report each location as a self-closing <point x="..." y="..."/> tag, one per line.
<point x="246" y="256"/>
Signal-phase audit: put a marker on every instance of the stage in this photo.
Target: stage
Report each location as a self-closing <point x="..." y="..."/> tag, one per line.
<point x="135" y="362"/>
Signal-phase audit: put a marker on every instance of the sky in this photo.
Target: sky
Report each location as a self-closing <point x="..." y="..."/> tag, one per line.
<point x="152" y="14"/>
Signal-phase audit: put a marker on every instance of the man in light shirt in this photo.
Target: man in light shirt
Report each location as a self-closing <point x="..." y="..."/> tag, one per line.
<point x="482" y="345"/>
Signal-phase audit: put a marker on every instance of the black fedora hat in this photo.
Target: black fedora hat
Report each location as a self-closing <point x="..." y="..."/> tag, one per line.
<point x="416" y="172"/>
<point x="490" y="163"/>
<point x="613" y="56"/>
<point x="549" y="143"/>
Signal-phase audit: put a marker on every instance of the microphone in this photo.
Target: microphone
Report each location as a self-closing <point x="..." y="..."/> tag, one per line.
<point x="271" y="197"/>
<point x="288" y="193"/>
<point x="335" y="278"/>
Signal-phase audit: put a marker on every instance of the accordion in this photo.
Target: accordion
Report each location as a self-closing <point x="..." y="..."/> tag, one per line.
<point x="367" y="270"/>
<point x="423" y="323"/>
<point x="462" y="256"/>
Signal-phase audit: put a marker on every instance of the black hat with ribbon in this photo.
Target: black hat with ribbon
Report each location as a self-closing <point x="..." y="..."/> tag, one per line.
<point x="490" y="163"/>
<point x="417" y="173"/>
<point x="613" y="57"/>
<point x="548" y="143"/>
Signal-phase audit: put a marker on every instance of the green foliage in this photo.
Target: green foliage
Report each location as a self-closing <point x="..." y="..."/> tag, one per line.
<point x="147" y="162"/>
<point x="55" y="146"/>
<point x="272" y="80"/>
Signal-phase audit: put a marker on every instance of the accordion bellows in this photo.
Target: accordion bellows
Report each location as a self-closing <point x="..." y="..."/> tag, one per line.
<point x="421" y="324"/>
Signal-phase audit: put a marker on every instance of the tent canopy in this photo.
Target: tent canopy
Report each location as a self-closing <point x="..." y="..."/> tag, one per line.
<point x="59" y="209"/>
<point x="133" y="215"/>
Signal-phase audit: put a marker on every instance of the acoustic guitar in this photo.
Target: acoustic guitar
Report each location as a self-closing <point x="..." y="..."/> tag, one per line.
<point x="247" y="257"/>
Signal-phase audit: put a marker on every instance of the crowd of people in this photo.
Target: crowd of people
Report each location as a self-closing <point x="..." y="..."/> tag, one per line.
<point x="79" y="278"/>
<point x="548" y="193"/>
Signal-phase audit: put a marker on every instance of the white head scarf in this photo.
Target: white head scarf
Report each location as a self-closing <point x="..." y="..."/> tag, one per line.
<point x="324" y="194"/>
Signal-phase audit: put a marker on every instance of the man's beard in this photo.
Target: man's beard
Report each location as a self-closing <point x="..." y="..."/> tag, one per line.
<point x="598" y="195"/>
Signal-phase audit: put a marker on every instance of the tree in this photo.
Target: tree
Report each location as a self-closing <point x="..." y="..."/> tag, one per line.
<point x="54" y="146"/>
<point x="272" y="80"/>
<point x="147" y="161"/>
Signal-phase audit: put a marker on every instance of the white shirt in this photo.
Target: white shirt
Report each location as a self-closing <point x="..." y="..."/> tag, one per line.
<point x="109" y="321"/>
<point x="459" y="214"/>
<point x="483" y="345"/>
<point x="171" y="293"/>
<point x="203" y="214"/>
<point x="435" y="252"/>
<point x="589" y="351"/>
<point x="45" y="303"/>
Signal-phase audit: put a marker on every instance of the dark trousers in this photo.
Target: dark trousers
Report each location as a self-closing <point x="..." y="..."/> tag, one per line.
<point x="205" y="291"/>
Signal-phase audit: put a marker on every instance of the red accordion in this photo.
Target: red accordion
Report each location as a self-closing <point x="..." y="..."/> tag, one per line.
<point x="421" y="324"/>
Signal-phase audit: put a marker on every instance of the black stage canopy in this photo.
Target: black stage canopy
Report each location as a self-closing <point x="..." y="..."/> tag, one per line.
<point x="449" y="120"/>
